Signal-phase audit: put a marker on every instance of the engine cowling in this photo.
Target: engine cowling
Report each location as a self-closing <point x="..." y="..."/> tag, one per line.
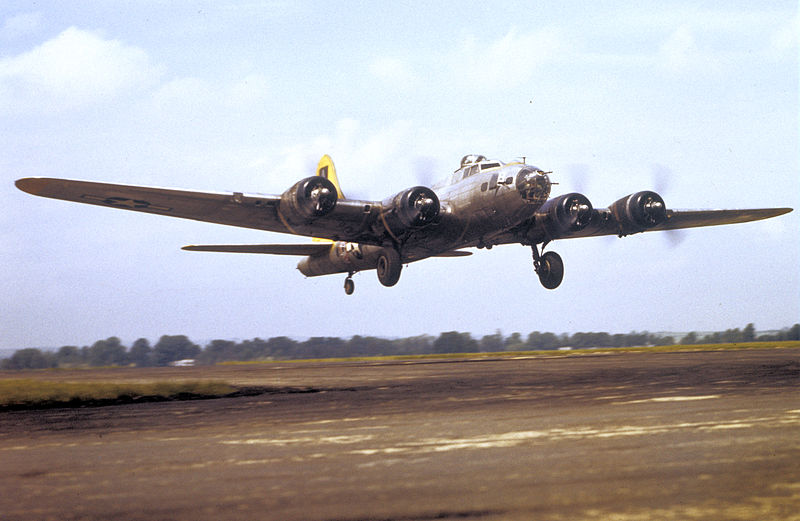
<point x="412" y="208"/>
<point x="639" y="212"/>
<point x="309" y="198"/>
<point x="565" y="214"/>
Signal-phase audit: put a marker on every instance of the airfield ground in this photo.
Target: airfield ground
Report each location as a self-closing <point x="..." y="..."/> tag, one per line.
<point x="625" y="436"/>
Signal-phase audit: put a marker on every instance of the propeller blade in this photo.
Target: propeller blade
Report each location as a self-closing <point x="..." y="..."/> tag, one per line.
<point x="424" y="168"/>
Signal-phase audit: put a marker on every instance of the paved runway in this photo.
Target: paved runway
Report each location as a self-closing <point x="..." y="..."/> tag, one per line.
<point x="706" y="435"/>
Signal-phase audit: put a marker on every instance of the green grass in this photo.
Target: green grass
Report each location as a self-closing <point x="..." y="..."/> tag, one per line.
<point x="17" y="392"/>
<point x="549" y="352"/>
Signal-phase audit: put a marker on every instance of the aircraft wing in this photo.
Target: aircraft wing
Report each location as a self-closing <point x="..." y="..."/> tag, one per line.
<point x="310" y="249"/>
<point x="348" y="221"/>
<point x="678" y="219"/>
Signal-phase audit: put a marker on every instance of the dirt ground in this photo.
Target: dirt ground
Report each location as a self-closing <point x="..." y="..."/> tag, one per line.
<point x="633" y="436"/>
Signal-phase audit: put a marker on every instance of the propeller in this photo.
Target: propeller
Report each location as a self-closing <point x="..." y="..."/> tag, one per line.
<point x="662" y="180"/>
<point x="579" y="175"/>
<point x="424" y="169"/>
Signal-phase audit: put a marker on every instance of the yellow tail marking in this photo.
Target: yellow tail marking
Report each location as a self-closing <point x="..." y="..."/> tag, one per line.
<point x="326" y="169"/>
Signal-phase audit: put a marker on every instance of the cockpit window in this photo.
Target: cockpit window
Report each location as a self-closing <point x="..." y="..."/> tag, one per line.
<point x="471" y="159"/>
<point x="486" y="166"/>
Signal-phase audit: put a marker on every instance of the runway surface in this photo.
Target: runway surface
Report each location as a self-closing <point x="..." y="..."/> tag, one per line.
<point x="700" y="435"/>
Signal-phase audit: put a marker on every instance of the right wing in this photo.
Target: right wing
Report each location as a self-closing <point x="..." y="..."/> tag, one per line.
<point x="350" y="220"/>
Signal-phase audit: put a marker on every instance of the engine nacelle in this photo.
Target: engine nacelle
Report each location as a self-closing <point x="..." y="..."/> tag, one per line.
<point x="565" y="214"/>
<point x="309" y="198"/>
<point x="639" y="212"/>
<point x="412" y="208"/>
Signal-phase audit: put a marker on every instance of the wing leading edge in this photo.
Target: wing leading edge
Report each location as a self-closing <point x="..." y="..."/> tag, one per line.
<point x="679" y="219"/>
<point x="348" y="220"/>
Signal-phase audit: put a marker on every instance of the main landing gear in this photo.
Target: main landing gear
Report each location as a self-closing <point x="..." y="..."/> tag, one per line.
<point x="548" y="266"/>
<point x="388" y="265"/>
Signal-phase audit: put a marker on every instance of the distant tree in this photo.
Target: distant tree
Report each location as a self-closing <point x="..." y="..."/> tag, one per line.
<point x="107" y="352"/>
<point x="171" y="348"/>
<point x="368" y="346"/>
<point x="455" y="342"/>
<point x="638" y="339"/>
<point x="514" y="343"/>
<point x="413" y="345"/>
<point x="492" y="343"/>
<point x="549" y="341"/>
<point x="731" y="336"/>
<point x="793" y="333"/>
<point x="281" y="347"/>
<point x="664" y="341"/>
<point x="749" y="333"/>
<point x="141" y="354"/>
<point x="29" y="358"/>
<point x="68" y="356"/>
<point x="690" y="338"/>
<point x="219" y="351"/>
<point x="322" y="347"/>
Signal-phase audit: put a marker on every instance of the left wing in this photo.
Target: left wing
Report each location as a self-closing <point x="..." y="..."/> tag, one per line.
<point x="349" y="220"/>
<point x="677" y="219"/>
<point x="606" y="224"/>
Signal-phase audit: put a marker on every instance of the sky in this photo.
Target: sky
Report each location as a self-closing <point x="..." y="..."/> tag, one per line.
<point x="696" y="99"/>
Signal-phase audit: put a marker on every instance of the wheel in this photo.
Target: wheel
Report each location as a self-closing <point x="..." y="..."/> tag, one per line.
<point x="349" y="286"/>
<point x="550" y="270"/>
<point x="388" y="267"/>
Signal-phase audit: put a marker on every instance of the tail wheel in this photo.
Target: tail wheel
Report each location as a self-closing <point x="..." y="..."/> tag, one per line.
<point x="389" y="267"/>
<point x="349" y="286"/>
<point x="550" y="270"/>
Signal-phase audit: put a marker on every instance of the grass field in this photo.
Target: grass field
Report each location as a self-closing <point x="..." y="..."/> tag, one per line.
<point x="107" y="386"/>
<point x="33" y="393"/>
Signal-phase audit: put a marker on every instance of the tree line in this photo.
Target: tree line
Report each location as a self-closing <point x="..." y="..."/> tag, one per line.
<point x="168" y="349"/>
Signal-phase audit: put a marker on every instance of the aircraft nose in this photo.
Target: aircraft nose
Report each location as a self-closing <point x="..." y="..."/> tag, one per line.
<point x="533" y="186"/>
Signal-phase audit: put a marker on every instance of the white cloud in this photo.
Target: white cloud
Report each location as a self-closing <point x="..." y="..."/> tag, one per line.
<point x="785" y="39"/>
<point x="74" y="70"/>
<point x="679" y="49"/>
<point x="394" y="71"/>
<point x="21" y="25"/>
<point x="371" y="163"/>
<point x="506" y="62"/>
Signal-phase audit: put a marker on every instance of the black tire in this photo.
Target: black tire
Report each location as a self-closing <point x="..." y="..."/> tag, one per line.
<point x="349" y="286"/>
<point x="389" y="267"/>
<point x="551" y="270"/>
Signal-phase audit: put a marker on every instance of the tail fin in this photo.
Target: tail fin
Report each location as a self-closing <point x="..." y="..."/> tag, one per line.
<point x="326" y="169"/>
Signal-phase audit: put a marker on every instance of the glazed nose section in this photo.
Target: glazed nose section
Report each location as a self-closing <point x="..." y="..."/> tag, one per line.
<point x="533" y="185"/>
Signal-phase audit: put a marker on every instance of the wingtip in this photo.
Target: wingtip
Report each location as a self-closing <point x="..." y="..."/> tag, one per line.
<point x="31" y="185"/>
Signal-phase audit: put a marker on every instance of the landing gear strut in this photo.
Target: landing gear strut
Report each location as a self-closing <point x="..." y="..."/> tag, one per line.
<point x="548" y="266"/>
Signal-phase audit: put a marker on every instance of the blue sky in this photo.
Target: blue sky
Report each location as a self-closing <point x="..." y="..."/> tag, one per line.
<point x="699" y="100"/>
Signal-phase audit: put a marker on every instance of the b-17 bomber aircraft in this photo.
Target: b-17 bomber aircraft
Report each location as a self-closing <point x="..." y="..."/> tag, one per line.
<point x="483" y="203"/>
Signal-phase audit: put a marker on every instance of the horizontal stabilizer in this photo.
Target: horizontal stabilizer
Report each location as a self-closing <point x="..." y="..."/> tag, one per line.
<point x="316" y="248"/>
<point x="454" y="253"/>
